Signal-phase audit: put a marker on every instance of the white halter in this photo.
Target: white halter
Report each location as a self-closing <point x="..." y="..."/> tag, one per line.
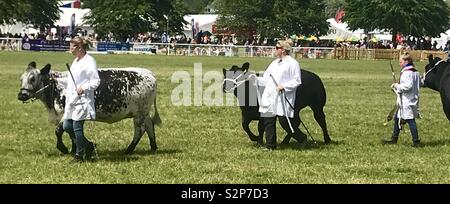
<point x="236" y="82"/>
<point x="434" y="67"/>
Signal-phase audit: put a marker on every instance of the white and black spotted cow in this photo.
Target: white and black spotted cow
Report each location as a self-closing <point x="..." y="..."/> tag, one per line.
<point x="122" y="93"/>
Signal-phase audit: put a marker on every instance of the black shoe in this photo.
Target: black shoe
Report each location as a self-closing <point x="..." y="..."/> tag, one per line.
<point x="417" y="145"/>
<point x="389" y="142"/>
<point x="77" y="159"/>
<point x="89" y="150"/>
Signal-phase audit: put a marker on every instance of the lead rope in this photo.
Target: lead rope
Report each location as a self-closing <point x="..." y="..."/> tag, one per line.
<point x="283" y="105"/>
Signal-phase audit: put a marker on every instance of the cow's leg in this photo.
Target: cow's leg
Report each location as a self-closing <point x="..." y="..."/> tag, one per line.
<point x="150" y="129"/>
<point x="139" y="129"/>
<point x="245" y="125"/>
<point x="59" y="142"/>
<point x="288" y="136"/>
<point x="319" y="115"/>
<point x="298" y="134"/>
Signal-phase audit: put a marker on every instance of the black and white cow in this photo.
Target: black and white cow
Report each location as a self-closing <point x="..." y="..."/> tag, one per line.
<point x="122" y="93"/>
<point x="437" y="77"/>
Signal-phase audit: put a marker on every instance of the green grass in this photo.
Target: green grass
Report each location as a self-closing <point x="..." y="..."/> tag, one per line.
<point x="207" y="145"/>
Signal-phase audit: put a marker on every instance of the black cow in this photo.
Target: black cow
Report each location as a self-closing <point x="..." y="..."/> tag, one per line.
<point x="437" y="77"/>
<point x="122" y="93"/>
<point x="310" y="93"/>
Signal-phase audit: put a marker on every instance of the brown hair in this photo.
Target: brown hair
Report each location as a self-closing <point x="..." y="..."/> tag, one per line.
<point x="81" y="42"/>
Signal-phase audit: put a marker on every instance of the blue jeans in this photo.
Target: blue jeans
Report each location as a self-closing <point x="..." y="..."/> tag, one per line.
<point x="75" y="130"/>
<point x="412" y="126"/>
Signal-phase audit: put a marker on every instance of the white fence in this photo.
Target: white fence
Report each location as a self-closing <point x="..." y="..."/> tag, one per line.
<point x="225" y="50"/>
<point x="15" y="44"/>
<point x="10" y="44"/>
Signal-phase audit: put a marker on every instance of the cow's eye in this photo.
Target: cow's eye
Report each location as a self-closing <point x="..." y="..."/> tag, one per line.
<point x="32" y="80"/>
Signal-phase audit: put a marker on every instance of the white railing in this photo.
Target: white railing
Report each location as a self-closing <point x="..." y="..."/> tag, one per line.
<point x="15" y="44"/>
<point x="10" y="44"/>
<point x="225" y="50"/>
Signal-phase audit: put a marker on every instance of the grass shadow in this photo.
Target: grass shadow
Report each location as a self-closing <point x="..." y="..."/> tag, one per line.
<point x="309" y="145"/>
<point x="58" y="154"/>
<point x="437" y="143"/>
<point x="120" y="156"/>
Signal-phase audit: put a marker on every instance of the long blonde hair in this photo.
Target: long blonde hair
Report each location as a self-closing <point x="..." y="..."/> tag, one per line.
<point x="81" y="42"/>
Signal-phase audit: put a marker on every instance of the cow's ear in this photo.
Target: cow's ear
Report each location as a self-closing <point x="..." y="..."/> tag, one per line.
<point x="32" y="65"/>
<point x="430" y="59"/>
<point x="46" y="69"/>
<point x="245" y="66"/>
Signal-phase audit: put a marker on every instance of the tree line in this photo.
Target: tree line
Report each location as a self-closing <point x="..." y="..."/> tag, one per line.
<point x="266" y="18"/>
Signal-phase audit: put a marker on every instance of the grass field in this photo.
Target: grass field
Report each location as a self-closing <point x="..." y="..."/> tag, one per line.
<point x="207" y="144"/>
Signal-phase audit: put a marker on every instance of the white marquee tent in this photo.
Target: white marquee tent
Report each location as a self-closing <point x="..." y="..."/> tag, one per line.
<point x="340" y="30"/>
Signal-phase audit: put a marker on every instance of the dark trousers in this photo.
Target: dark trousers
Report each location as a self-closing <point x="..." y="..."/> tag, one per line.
<point x="412" y="127"/>
<point x="271" y="132"/>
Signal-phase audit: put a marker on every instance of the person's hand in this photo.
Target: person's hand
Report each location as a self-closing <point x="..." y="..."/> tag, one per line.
<point x="80" y="91"/>
<point x="280" y="88"/>
<point x="394" y="86"/>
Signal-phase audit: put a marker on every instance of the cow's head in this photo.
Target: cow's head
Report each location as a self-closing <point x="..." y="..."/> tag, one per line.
<point x="33" y="81"/>
<point x="432" y="77"/>
<point x="233" y="76"/>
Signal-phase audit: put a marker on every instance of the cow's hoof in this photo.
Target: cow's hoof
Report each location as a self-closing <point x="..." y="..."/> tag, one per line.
<point x="63" y="149"/>
<point x="327" y="141"/>
<point x="153" y="152"/>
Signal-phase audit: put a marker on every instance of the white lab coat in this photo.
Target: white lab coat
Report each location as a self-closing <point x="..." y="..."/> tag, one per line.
<point x="408" y="94"/>
<point x="86" y="76"/>
<point x="286" y="72"/>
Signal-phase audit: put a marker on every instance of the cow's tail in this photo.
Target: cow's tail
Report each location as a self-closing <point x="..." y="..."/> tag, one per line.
<point x="156" y="119"/>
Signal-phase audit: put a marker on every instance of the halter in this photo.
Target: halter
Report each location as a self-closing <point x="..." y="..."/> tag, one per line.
<point x="434" y="67"/>
<point x="39" y="92"/>
<point x="236" y="82"/>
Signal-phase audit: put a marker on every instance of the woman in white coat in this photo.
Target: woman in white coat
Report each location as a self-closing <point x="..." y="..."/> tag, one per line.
<point x="407" y="100"/>
<point x="80" y="103"/>
<point x="282" y="75"/>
